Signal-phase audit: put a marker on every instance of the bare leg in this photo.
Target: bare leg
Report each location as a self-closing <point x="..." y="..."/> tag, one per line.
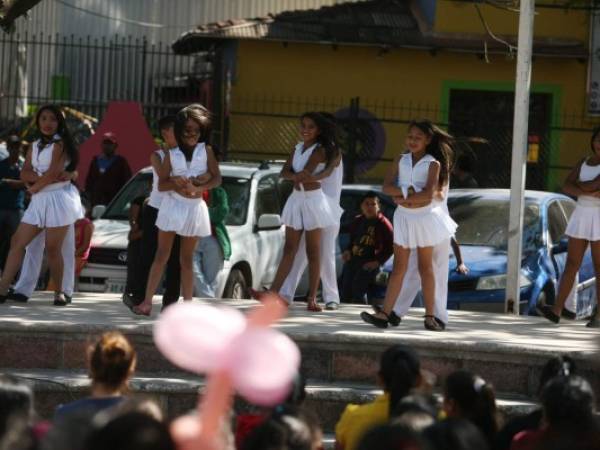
<point x="54" y="242"/>
<point x="401" y="255"/>
<point x="186" y="262"/>
<point x="425" y="264"/>
<point x="23" y="236"/>
<point x="163" y="251"/>
<point x="292" y="239"/>
<point x="595" y="246"/>
<point x="575" y="252"/>
<point x="313" y="253"/>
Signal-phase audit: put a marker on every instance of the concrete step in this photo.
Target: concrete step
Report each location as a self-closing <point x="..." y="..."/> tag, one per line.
<point x="336" y="346"/>
<point x="178" y="394"/>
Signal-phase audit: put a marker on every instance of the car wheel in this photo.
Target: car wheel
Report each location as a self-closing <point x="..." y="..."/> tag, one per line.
<point x="236" y="286"/>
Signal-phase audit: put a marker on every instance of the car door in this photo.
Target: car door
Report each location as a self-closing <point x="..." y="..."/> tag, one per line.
<point x="269" y="243"/>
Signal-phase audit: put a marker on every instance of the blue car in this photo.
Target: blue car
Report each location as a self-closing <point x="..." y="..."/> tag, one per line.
<point x="482" y="217"/>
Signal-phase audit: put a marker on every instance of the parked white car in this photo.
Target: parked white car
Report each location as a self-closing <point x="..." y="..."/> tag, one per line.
<point x="256" y="198"/>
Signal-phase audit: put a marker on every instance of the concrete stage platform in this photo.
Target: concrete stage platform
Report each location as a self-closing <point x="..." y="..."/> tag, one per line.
<point x="340" y="353"/>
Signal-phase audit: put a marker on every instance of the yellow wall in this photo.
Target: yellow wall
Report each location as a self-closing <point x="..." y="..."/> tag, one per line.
<point x="400" y="77"/>
<point x="461" y="17"/>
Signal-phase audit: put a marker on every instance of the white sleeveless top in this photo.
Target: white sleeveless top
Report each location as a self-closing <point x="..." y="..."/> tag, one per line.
<point x="332" y="185"/>
<point x="156" y="196"/>
<point x="588" y="173"/>
<point x="197" y="166"/>
<point x="300" y="158"/>
<point x="41" y="158"/>
<point x="415" y="176"/>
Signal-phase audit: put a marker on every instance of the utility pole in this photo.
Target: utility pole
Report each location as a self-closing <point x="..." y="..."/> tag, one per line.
<point x="519" y="156"/>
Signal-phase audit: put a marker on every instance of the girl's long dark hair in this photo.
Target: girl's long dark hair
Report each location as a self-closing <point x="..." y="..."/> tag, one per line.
<point x="440" y="146"/>
<point x="475" y="399"/>
<point x="63" y="131"/>
<point x="400" y="370"/>
<point x="327" y="133"/>
<point x="198" y="114"/>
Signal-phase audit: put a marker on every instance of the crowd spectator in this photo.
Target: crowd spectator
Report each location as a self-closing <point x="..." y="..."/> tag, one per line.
<point x="371" y="245"/>
<point x="289" y="430"/>
<point x="17" y="431"/>
<point x="108" y="172"/>
<point x="111" y="363"/>
<point x="12" y="195"/>
<point x="568" y="405"/>
<point x="399" y="374"/>
<point x="134" y="282"/>
<point x="559" y="366"/>
<point x="456" y="434"/>
<point x="212" y="251"/>
<point x="392" y="437"/>
<point x="468" y="396"/>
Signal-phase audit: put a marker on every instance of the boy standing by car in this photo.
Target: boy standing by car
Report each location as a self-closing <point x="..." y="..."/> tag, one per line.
<point x="371" y="244"/>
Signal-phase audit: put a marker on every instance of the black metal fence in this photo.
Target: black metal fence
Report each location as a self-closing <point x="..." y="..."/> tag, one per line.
<point x="86" y="73"/>
<point x="372" y="133"/>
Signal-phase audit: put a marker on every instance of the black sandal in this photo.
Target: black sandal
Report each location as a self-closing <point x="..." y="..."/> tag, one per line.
<point x="60" y="300"/>
<point x="546" y="311"/>
<point x="393" y="318"/>
<point x="432" y="324"/>
<point x="375" y="321"/>
<point x="593" y="323"/>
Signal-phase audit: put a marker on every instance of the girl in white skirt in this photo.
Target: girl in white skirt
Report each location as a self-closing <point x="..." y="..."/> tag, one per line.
<point x="419" y="225"/>
<point x="583" y="228"/>
<point x="183" y="211"/>
<point x="55" y="204"/>
<point x="331" y="183"/>
<point x="307" y="210"/>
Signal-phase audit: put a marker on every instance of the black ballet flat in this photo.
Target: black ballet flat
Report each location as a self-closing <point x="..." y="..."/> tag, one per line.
<point x="17" y="296"/>
<point x="431" y="323"/>
<point x="594" y="323"/>
<point x="440" y="323"/>
<point x="546" y="311"/>
<point x="60" y="300"/>
<point x="393" y="318"/>
<point x="375" y="321"/>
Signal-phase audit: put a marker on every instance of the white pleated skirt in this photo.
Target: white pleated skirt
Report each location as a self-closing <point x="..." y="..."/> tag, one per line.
<point x="184" y="216"/>
<point x="309" y="210"/>
<point x="422" y="227"/>
<point x="584" y="223"/>
<point x="57" y="205"/>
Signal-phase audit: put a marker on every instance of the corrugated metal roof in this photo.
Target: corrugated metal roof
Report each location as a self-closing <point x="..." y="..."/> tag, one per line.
<point x="385" y="23"/>
<point x="157" y="20"/>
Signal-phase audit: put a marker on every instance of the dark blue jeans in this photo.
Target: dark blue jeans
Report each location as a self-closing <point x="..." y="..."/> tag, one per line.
<point x="356" y="282"/>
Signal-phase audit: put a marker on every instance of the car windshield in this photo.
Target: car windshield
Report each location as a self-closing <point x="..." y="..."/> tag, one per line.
<point x="484" y="221"/>
<point x="238" y="192"/>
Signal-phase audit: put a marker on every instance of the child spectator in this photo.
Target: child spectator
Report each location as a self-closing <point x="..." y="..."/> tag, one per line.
<point x="467" y="396"/>
<point x="455" y="434"/>
<point x="84" y="229"/>
<point x="399" y="373"/>
<point x="393" y="437"/>
<point x="371" y="242"/>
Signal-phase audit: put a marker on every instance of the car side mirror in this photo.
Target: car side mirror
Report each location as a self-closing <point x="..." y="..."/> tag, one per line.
<point x="97" y="211"/>
<point x="560" y="246"/>
<point x="269" y="222"/>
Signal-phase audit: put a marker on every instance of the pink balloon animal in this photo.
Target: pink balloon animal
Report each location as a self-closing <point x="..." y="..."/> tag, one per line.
<point x="237" y="353"/>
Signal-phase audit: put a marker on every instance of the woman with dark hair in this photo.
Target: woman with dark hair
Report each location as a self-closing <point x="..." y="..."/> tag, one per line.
<point x="307" y="210"/>
<point x="183" y="212"/>
<point x="468" y="396"/>
<point x="399" y="374"/>
<point x="55" y="203"/>
<point x="419" y="224"/>
<point x="583" y="229"/>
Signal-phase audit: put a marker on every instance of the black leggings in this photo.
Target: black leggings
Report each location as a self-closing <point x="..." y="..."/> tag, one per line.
<point x="149" y="243"/>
